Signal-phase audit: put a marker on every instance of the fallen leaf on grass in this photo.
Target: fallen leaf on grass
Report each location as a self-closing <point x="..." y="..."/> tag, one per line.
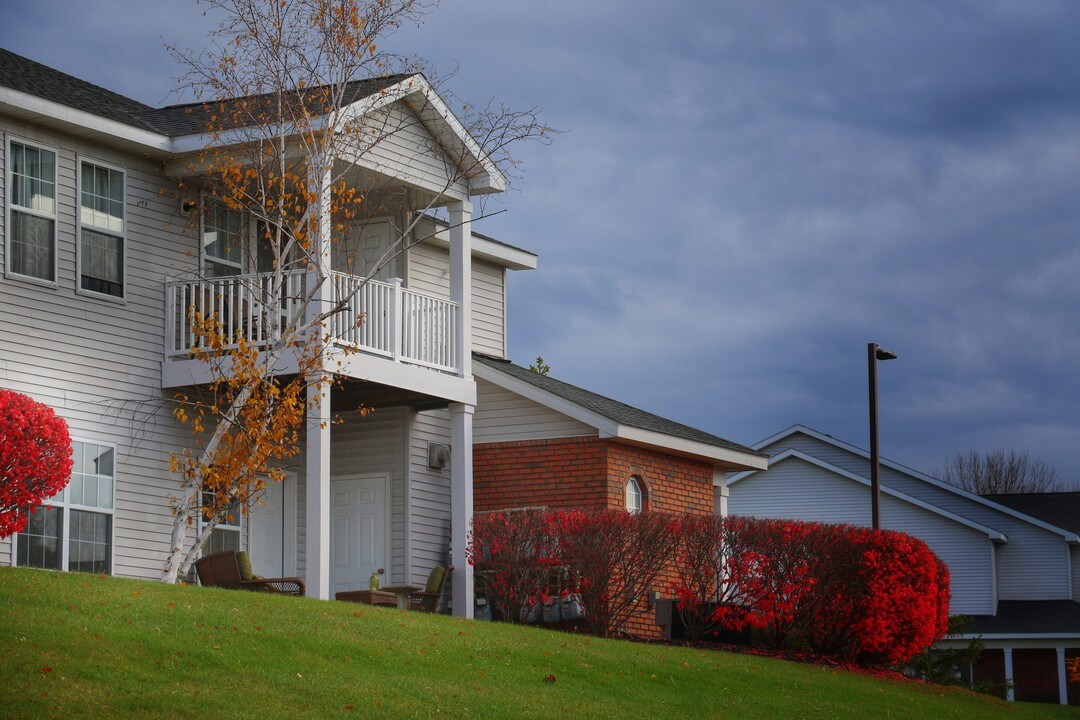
<point x="549" y="679"/>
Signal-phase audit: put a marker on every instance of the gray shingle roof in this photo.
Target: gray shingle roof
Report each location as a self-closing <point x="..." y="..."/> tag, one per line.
<point x="1029" y="617"/>
<point x="613" y="410"/>
<point x="1060" y="509"/>
<point x="33" y="78"/>
<point x="194" y="118"/>
<point x="25" y="75"/>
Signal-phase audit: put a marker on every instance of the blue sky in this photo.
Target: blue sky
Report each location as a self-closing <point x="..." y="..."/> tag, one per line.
<point x="749" y="192"/>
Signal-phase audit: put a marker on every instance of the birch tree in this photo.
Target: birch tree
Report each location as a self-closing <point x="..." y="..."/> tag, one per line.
<point x="277" y="96"/>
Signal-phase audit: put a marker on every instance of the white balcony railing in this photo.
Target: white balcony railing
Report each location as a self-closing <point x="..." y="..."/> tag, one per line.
<point x="397" y="323"/>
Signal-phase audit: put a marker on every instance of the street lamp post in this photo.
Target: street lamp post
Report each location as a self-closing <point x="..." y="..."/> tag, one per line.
<point x="873" y="354"/>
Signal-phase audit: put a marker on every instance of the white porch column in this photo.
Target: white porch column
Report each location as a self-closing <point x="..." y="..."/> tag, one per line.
<point x="461" y="505"/>
<point x="317" y="569"/>
<point x="461" y="282"/>
<point x="1009" y="674"/>
<point x="1063" y="679"/>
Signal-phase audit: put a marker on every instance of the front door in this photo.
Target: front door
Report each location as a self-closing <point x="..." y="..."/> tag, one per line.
<point x="362" y="249"/>
<point x="358" y="525"/>
<point x="266" y="539"/>
<point x="272" y="529"/>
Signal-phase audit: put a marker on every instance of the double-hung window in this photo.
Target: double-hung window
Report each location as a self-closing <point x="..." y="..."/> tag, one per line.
<point x="73" y="529"/>
<point x="101" y="216"/>
<point x="224" y="238"/>
<point x="31" y="249"/>
<point x="226" y="534"/>
<point x="102" y="220"/>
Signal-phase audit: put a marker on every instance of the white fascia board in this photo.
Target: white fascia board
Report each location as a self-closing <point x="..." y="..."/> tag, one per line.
<point x="509" y="257"/>
<point x="608" y="428"/>
<point x="995" y="535"/>
<point x="1017" y="636"/>
<point x="1070" y="537"/>
<point x="685" y="446"/>
<point x="605" y="426"/>
<point x="80" y="118"/>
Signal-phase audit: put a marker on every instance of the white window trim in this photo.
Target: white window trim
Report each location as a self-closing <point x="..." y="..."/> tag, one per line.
<point x="639" y="494"/>
<point x="122" y="298"/>
<point x="8" y="272"/>
<point x="246" y="266"/>
<point x="66" y="508"/>
<point x="240" y="528"/>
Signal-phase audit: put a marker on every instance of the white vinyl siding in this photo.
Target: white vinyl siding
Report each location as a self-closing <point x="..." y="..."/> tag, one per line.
<point x="98" y="365"/>
<point x="429" y="272"/>
<point x="429" y="495"/>
<point x="405" y="149"/>
<point x="503" y="416"/>
<point x="799" y="490"/>
<point x="1074" y="554"/>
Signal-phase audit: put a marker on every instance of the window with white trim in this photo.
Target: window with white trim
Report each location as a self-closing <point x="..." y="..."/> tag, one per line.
<point x="31" y="248"/>
<point x="633" y="495"/>
<point x="226" y="534"/>
<point x="101" y="219"/>
<point x="73" y="529"/>
<point x="224" y="237"/>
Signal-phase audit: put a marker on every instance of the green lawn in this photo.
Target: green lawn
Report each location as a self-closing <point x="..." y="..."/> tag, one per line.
<point x="76" y="645"/>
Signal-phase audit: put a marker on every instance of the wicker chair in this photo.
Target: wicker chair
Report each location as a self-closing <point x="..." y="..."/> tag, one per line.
<point x="427" y="600"/>
<point x="223" y="569"/>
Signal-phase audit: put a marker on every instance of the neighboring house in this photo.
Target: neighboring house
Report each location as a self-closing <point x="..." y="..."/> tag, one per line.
<point x="1014" y="561"/>
<point x="102" y="251"/>
<point x="543" y="442"/>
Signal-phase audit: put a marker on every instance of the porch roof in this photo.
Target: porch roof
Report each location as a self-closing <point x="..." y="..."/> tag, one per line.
<point x="1030" y="617"/>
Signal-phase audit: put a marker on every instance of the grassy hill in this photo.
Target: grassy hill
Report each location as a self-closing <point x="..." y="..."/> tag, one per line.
<point x="75" y="645"/>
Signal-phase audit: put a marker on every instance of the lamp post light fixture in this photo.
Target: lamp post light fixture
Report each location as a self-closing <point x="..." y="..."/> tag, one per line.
<point x="873" y="354"/>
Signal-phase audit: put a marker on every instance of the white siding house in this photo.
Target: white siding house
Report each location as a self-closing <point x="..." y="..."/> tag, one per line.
<point x="998" y="555"/>
<point x="98" y="248"/>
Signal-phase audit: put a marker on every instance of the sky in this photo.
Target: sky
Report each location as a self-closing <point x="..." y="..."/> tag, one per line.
<point x="745" y="194"/>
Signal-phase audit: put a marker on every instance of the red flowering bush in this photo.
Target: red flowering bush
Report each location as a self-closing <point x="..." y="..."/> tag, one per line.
<point x="35" y="457"/>
<point x="517" y="559"/>
<point x="609" y="558"/>
<point x="852" y="593"/>
<point x="617" y="556"/>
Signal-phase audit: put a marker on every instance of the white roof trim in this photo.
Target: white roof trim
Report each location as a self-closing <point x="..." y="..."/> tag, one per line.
<point x="608" y="428"/>
<point x="798" y="454"/>
<point x="82" y="119"/>
<point x="1015" y="636"/>
<point x="1069" y="536"/>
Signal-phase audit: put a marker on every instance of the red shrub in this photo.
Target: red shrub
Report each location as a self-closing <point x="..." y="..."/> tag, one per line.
<point x="617" y="556"/>
<point x="852" y="593"/>
<point x="517" y="560"/>
<point x="35" y="457"/>
<point x="610" y="557"/>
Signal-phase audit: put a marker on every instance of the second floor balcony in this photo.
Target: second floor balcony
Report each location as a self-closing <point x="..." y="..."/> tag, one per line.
<point x="379" y="319"/>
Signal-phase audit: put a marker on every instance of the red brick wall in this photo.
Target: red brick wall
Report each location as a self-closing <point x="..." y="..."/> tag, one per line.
<point x="567" y="472"/>
<point x="590" y="473"/>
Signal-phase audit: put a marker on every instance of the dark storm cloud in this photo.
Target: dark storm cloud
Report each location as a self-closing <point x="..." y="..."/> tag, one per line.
<point x="752" y="191"/>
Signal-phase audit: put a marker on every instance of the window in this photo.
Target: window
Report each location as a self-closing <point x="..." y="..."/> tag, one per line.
<point x="32" y="220"/>
<point x="226" y="534"/>
<point x="223" y="240"/>
<point x="73" y="530"/>
<point x="633" y="495"/>
<point x="101" y="216"/>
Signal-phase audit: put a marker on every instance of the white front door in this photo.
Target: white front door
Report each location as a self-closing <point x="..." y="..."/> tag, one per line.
<point x="272" y="529"/>
<point x="362" y="249"/>
<point x="266" y="528"/>
<point x="358" y="527"/>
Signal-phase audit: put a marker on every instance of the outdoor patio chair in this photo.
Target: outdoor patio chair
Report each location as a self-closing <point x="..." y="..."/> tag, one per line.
<point x="232" y="569"/>
<point x="427" y="600"/>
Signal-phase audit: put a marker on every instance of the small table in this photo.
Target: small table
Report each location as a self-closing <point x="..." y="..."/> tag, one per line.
<point x="367" y="597"/>
<point x="403" y="592"/>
